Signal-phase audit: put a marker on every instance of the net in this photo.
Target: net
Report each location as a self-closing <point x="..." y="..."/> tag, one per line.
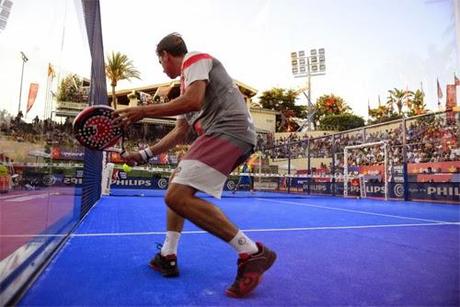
<point x="376" y="151"/>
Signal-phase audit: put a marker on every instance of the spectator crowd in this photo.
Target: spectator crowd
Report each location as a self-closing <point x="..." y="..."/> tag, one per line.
<point x="430" y="139"/>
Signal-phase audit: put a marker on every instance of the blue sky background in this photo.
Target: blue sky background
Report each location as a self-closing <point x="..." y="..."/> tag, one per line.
<point x="371" y="45"/>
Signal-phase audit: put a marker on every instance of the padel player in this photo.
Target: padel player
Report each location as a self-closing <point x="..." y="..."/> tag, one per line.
<point x="214" y="108"/>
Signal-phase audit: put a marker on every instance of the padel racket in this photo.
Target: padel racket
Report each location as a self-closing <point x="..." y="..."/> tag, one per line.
<point x="93" y="128"/>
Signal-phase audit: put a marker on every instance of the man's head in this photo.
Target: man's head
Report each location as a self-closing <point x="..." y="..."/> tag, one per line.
<point x="170" y="51"/>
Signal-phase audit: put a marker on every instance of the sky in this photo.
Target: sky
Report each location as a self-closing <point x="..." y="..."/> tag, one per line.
<point x="371" y="46"/>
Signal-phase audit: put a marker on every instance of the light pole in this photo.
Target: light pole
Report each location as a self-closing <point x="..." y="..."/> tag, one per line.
<point x="24" y="60"/>
<point x="309" y="66"/>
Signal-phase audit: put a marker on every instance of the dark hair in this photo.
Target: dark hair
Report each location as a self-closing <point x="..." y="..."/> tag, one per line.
<point x="172" y="44"/>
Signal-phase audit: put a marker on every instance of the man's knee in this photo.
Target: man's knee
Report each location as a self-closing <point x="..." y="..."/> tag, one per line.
<point x="176" y="197"/>
<point x="171" y="198"/>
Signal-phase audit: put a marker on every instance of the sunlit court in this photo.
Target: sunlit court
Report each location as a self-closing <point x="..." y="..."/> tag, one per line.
<point x="242" y="153"/>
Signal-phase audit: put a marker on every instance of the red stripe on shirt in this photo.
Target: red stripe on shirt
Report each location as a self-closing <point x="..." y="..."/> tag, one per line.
<point x="195" y="58"/>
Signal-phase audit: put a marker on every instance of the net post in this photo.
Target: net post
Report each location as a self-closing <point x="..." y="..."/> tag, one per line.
<point x="259" y="153"/>
<point x="333" y="183"/>
<point x="362" y="186"/>
<point x="106" y="178"/>
<point x="345" y="171"/>
<point x="308" y="167"/>
<point x="385" y="166"/>
<point x="404" y="160"/>
<point x="288" y="181"/>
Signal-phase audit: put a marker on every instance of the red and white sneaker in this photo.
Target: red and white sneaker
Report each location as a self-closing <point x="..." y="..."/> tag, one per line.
<point x="250" y="271"/>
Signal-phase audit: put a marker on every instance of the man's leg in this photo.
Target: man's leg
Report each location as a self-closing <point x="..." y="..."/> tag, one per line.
<point x="166" y="260"/>
<point x="182" y="200"/>
<point x="174" y="226"/>
<point x="254" y="258"/>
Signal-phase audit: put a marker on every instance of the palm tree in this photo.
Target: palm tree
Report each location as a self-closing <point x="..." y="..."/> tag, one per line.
<point x="119" y="67"/>
<point x="399" y="98"/>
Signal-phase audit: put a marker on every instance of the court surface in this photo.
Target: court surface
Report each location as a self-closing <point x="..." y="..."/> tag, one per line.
<point x="331" y="251"/>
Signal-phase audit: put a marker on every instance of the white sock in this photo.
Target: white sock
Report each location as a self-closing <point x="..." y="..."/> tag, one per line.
<point x="242" y="244"/>
<point x="170" y="244"/>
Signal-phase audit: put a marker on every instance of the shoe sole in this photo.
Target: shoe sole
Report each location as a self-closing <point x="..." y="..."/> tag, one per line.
<point x="271" y="260"/>
<point x="163" y="273"/>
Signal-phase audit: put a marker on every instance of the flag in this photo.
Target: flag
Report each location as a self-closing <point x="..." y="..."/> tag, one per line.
<point x="457" y="80"/>
<point x="439" y="90"/>
<point x="51" y="72"/>
<point x="379" y="100"/>
<point x="33" y="89"/>
<point x="368" y="107"/>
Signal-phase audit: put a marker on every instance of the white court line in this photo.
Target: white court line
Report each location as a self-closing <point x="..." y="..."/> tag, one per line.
<point x="150" y="233"/>
<point x="13" y="195"/>
<point x="28" y="197"/>
<point x="351" y="210"/>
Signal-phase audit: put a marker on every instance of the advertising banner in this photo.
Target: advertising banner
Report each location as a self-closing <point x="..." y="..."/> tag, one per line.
<point x="62" y="153"/>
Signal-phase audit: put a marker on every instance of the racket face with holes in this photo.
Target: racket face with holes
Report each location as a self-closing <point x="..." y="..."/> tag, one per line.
<point x="93" y="128"/>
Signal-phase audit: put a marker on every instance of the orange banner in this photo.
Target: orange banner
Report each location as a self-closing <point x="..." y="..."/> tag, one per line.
<point x="33" y="89"/>
<point x="416" y="168"/>
<point x="439" y="167"/>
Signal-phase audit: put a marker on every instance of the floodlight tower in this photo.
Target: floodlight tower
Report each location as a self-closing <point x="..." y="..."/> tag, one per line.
<point x="25" y="59"/>
<point x="308" y="66"/>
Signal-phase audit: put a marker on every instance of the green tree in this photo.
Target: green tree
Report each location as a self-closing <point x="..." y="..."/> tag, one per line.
<point x="329" y="105"/>
<point x="118" y="68"/>
<point x="341" y="122"/>
<point x="283" y="100"/>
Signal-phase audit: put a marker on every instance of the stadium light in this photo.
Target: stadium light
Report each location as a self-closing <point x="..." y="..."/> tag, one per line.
<point x="313" y="64"/>
<point x="24" y="60"/>
<point x="5" y="10"/>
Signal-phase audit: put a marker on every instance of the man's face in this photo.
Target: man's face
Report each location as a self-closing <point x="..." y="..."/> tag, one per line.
<point x="166" y="61"/>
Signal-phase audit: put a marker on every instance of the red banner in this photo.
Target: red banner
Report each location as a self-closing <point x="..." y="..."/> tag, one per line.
<point x="33" y="89"/>
<point x="451" y="96"/>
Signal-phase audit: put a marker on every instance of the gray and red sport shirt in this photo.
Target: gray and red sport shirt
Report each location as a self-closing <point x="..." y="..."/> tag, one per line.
<point x="223" y="110"/>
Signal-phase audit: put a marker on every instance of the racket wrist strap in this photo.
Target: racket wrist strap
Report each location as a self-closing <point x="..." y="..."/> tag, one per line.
<point x="146" y="154"/>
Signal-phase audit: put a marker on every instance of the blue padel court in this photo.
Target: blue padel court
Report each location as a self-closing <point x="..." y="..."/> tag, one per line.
<point x="331" y="251"/>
